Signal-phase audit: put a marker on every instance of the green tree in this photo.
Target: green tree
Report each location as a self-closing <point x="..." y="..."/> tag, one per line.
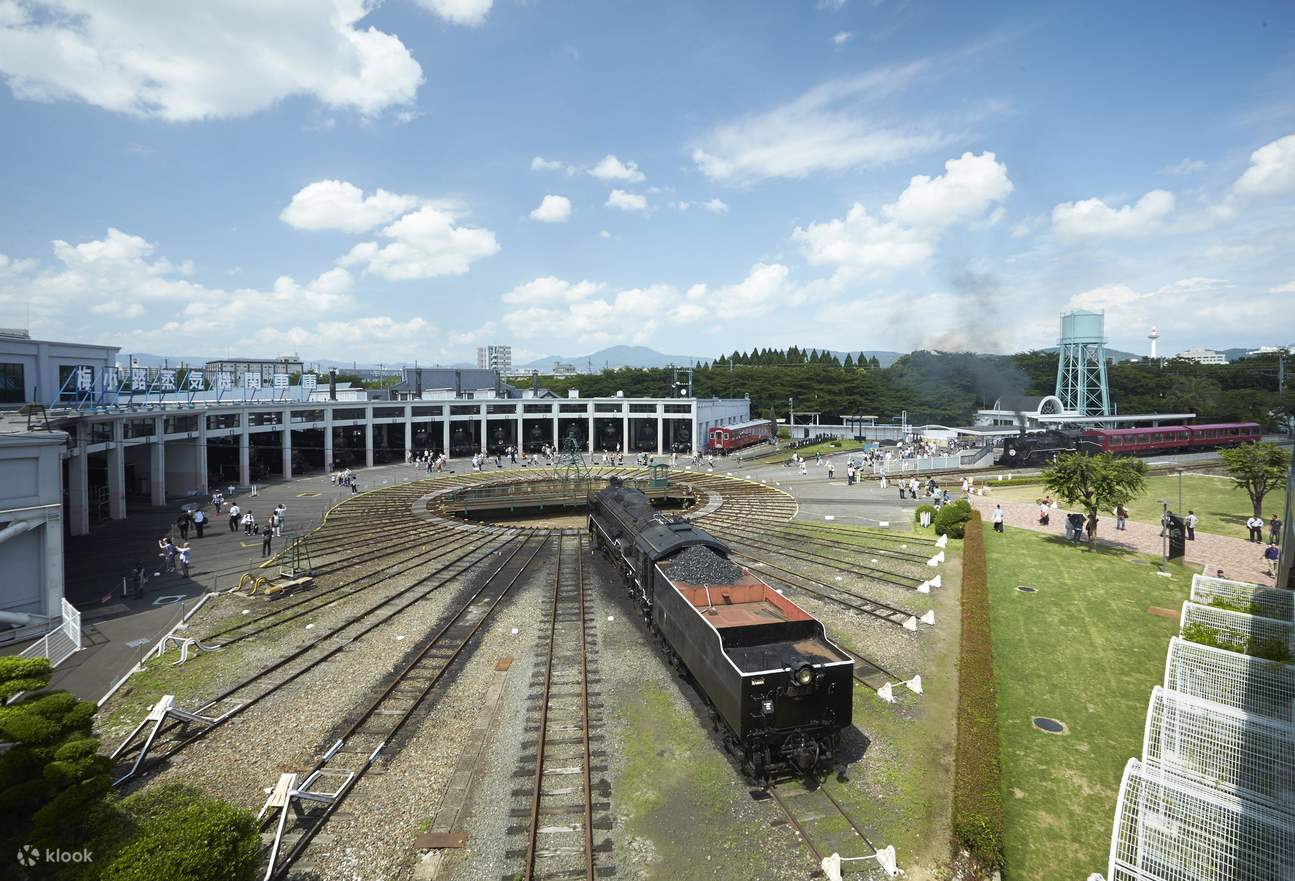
<point x="1095" y="483"/>
<point x="1258" y="468"/>
<point x="849" y="361"/>
<point x="52" y="778"/>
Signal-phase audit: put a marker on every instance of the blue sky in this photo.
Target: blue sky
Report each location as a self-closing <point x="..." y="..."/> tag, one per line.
<point x="410" y="179"/>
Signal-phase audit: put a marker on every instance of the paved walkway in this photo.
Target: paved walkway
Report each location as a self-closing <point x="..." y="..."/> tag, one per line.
<point x="1239" y="559"/>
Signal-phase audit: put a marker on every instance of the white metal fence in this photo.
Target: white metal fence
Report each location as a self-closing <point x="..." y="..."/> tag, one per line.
<point x="897" y="467"/>
<point x="1168" y="828"/>
<point x="1247" y="683"/>
<point x="1273" y="602"/>
<point x="61" y="642"/>
<point x="1237" y="627"/>
<point x="1216" y="745"/>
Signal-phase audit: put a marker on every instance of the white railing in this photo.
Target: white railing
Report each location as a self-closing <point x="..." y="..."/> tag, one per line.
<point x="60" y="643"/>
<point x="896" y="467"/>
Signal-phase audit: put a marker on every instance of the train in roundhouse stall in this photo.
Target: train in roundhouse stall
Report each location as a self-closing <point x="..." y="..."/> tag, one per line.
<point x="779" y="691"/>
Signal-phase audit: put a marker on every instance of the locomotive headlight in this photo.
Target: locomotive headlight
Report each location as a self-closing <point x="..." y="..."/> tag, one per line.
<point x="766" y="707"/>
<point x="805" y="675"/>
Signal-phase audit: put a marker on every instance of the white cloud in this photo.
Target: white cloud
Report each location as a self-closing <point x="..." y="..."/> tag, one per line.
<point x="832" y="127"/>
<point x="464" y="12"/>
<point x="424" y="244"/>
<point x="380" y="337"/>
<point x="864" y="245"/>
<point x="1271" y="171"/>
<point x="163" y="60"/>
<point x="841" y="38"/>
<point x="969" y="186"/>
<point x="539" y="163"/>
<point x="604" y="234"/>
<point x="1093" y="218"/>
<point x="549" y="290"/>
<point x="626" y="201"/>
<point x="611" y="168"/>
<point x="1187" y="166"/>
<point x="1288" y="288"/>
<point x="833" y="5"/>
<point x="337" y="204"/>
<point x="556" y="309"/>
<point x="716" y="206"/>
<point x="552" y="209"/>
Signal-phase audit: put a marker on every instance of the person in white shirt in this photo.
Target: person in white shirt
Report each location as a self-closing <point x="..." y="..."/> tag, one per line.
<point x="1190" y="522"/>
<point x="1256" y="526"/>
<point x="998" y="518"/>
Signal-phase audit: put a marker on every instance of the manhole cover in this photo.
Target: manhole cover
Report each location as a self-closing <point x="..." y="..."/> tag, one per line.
<point x="1050" y="726"/>
<point x="1023" y="589"/>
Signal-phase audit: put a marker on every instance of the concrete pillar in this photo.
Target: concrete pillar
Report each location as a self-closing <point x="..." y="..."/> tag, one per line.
<point x="244" y="451"/>
<point x="485" y="426"/>
<point x="200" y="461"/>
<point x="590" y="413"/>
<point x="409" y="434"/>
<point x="328" y="440"/>
<point x="519" y="445"/>
<point x="78" y="491"/>
<point x="286" y="443"/>
<point x="660" y="431"/>
<point x="445" y="433"/>
<point x="157" y="464"/>
<point x="116" y="474"/>
<point x="555" y="429"/>
<point x="697" y="445"/>
<point x="368" y="437"/>
<point x="625" y="430"/>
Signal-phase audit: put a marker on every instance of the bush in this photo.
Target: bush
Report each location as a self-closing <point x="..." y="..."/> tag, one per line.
<point x="977" y="781"/>
<point x="181" y="833"/>
<point x="952" y="519"/>
<point x="929" y="509"/>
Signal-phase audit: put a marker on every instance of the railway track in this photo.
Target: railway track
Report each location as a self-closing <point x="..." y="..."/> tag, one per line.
<point x="824" y="827"/>
<point x="171" y="738"/>
<point x="370" y="729"/>
<point x="560" y="826"/>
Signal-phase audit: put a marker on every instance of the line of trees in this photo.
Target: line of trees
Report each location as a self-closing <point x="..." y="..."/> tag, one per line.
<point x="948" y="387"/>
<point x="794" y="357"/>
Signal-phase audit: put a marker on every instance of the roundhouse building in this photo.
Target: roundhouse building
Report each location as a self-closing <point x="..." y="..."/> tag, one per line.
<point x="100" y="452"/>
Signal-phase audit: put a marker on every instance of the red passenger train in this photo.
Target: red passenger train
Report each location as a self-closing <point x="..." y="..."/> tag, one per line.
<point x="728" y="438"/>
<point x="1173" y="438"/>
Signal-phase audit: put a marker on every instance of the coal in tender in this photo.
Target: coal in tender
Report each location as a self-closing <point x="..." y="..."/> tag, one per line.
<point x="701" y="565"/>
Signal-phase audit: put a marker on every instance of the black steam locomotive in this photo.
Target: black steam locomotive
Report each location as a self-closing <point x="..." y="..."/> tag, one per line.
<point x="778" y="689"/>
<point x="1042" y="447"/>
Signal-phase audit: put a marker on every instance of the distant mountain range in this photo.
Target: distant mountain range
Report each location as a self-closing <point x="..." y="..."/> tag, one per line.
<point x="617" y="356"/>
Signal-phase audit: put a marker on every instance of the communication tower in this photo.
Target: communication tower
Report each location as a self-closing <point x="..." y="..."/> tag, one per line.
<point x="1081" y="365"/>
<point x="1153" y="336"/>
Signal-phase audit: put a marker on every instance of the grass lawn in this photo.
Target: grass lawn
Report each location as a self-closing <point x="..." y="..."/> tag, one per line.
<point x="1219" y="503"/>
<point x="1083" y="650"/>
<point x="837" y="446"/>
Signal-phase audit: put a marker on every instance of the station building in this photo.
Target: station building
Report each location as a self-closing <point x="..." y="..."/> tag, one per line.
<point x="100" y="450"/>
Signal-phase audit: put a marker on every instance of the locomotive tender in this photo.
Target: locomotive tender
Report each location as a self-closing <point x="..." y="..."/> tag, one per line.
<point x="778" y="689"/>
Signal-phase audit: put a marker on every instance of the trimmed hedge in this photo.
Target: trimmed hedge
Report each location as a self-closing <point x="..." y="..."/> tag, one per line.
<point x="952" y="519"/>
<point x="977" y="784"/>
<point x="924" y="509"/>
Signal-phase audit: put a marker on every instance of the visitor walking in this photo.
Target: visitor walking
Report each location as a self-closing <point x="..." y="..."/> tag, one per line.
<point x="831" y="470"/>
<point x="182" y="524"/>
<point x="1121" y="517"/>
<point x="186" y="557"/>
<point x="1091" y="529"/>
<point x="266" y="540"/>
<point x="1256" y="526"/>
<point x="1274" y="530"/>
<point x="998" y="518"/>
<point x="199" y="522"/>
<point x="1190" y="522"/>
<point x="168" y="552"/>
<point x="249" y="523"/>
<point x="235" y="514"/>
<point x="1270" y="558"/>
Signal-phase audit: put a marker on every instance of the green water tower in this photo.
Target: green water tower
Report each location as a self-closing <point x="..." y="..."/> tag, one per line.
<point x="1081" y="364"/>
